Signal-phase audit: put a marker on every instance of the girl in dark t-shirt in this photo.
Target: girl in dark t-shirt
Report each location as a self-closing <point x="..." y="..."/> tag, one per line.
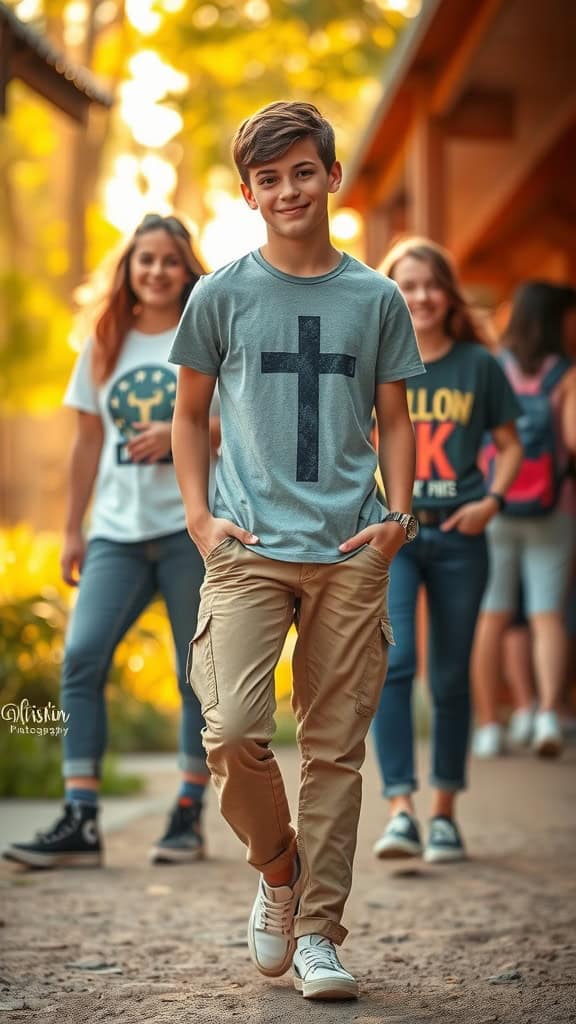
<point x="463" y="394"/>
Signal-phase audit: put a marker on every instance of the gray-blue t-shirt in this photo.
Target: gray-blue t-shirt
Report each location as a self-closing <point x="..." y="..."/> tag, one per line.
<point x="297" y="361"/>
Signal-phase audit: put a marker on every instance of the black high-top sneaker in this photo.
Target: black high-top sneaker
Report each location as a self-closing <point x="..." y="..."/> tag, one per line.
<point x="182" y="841"/>
<point x="73" y="841"/>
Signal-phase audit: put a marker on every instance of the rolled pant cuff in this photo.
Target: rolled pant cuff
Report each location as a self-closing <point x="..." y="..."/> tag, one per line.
<point x="400" y="789"/>
<point x="283" y="861"/>
<point x="449" y="786"/>
<point x="320" y="926"/>
<point x="82" y="768"/>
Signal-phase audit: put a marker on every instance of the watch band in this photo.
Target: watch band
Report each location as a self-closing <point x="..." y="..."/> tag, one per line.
<point x="406" y="520"/>
<point x="499" y="498"/>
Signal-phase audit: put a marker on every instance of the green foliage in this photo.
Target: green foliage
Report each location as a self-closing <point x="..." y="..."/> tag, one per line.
<point x="34" y="362"/>
<point x="34" y="609"/>
<point x="31" y="766"/>
<point x="331" y="53"/>
<point x="237" y="56"/>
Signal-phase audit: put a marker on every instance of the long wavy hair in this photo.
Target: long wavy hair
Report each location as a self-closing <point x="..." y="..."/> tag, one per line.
<point x="460" y="324"/>
<point x="536" y="326"/>
<point x="118" y="309"/>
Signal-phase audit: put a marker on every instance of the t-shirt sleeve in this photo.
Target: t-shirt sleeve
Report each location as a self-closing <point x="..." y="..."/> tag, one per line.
<point x="501" y="402"/>
<point x="398" y="355"/>
<point x="215" y="402"/>
<point x="197" y="340"/>
<point x="82" y="392"/>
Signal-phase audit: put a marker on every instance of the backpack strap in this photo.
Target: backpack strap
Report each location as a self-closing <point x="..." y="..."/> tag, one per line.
<point x="555" y="374"/>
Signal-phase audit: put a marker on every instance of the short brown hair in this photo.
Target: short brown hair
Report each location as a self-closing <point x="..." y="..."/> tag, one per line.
<point x="270" y="132"/>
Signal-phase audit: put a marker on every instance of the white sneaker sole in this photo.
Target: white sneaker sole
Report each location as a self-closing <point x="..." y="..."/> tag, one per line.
<point x="396" y="848"/>
<point x="31" y="859"/>
<point x="338" y="988"/>
<point x="444" y="856"/>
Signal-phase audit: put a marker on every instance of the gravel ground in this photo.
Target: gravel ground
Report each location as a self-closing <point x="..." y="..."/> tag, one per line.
<point x="489" y="940"/>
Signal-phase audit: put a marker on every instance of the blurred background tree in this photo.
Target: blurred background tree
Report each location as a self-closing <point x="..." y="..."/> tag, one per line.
<point x="183" y="74"/>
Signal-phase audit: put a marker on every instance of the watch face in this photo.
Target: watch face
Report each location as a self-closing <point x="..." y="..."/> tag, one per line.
<point x="412" y="528"/>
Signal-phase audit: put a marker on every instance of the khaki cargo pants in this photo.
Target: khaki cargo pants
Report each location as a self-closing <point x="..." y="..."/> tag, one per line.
<point x="340" y="658"/>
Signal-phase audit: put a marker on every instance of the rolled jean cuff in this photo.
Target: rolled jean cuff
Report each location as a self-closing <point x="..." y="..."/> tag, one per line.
<point x="191" y="763"/>
<point x="82" y="768"/>
<point x="400" y="789"/>
<point x="449" y="786"/>
<point x="320" y="926"/>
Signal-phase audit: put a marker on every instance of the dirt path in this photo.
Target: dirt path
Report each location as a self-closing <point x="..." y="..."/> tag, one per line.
<point x="492" y="940"/>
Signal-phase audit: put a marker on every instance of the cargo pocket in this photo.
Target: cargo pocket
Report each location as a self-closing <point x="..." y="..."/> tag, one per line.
<point x="368" y="693"/>
<point x="200" y="665"/>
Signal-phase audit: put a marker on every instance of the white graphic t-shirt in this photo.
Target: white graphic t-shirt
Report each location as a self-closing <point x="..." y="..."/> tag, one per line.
<point x="132" y="501"/>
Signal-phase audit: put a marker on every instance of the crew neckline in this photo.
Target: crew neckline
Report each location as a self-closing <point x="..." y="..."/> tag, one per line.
<point x="293" y="278"/>
<point x="157" y="334"/>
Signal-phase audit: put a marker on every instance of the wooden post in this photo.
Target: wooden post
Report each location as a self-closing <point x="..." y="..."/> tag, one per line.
<point x="427" y="174"/>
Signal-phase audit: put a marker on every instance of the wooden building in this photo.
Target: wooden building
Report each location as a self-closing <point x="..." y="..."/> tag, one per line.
<point x="31" y="459"/>
<point x="474" y="142"/>
<point x="26" y="54"/>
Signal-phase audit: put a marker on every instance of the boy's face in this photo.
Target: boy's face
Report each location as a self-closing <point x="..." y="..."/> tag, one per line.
<point x="291" y="191"/>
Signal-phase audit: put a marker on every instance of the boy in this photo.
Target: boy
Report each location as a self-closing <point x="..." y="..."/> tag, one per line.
<point x="304" y="341"/>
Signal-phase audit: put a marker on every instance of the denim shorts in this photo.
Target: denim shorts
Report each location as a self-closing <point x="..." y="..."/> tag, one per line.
<point x="533" y="552"/>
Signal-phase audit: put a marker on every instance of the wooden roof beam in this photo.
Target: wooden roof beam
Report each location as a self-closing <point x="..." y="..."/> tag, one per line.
<point x="52" y="84"/>
<point x="482" y="114"/>
<point x="450" y="78"/>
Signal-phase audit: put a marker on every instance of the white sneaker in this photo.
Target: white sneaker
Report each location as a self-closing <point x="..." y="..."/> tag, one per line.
<point x="318" y="973"/>
<point x="547" y="741"/>
<point x="271" y="927"/>
<point x="520" y="727"/>
<point x="488" y="740"/>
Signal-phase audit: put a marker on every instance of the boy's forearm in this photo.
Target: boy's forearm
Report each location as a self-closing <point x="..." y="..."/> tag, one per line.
<point x="191" y="453"/>
<point x="397" y="460"/>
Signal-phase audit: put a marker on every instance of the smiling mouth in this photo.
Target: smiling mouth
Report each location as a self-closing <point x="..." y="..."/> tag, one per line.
<point x="293" y="209"/>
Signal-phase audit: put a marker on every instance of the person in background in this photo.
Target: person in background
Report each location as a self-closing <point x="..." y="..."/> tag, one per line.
<point x="463" y="394"/>
<point x="123" y="390"/>
<point x="518" y="674"/>
<point x="533" y="542"/>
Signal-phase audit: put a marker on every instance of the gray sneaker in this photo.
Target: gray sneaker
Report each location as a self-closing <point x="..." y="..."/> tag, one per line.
<point x="401" y="838"/>
<point x="182" y="842"/>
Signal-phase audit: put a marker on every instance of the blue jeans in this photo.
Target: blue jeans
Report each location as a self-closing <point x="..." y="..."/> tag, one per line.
<point x="453" y="568"/>
<point x="118" y="581"/>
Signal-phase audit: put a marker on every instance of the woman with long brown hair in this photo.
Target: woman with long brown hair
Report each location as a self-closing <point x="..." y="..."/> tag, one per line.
<point x="123" y="390"/>
<point x="463" y="394"/>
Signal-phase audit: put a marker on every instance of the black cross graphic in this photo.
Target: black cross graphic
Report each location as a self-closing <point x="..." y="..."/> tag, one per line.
<point x="308" y="363"/>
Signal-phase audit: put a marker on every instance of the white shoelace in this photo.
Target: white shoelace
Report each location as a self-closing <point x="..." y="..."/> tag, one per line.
<point x="321" y="956"/>
<point x="275" y="918"/>
<point x="400" y="823"/>
<point x="444" y="830"/>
